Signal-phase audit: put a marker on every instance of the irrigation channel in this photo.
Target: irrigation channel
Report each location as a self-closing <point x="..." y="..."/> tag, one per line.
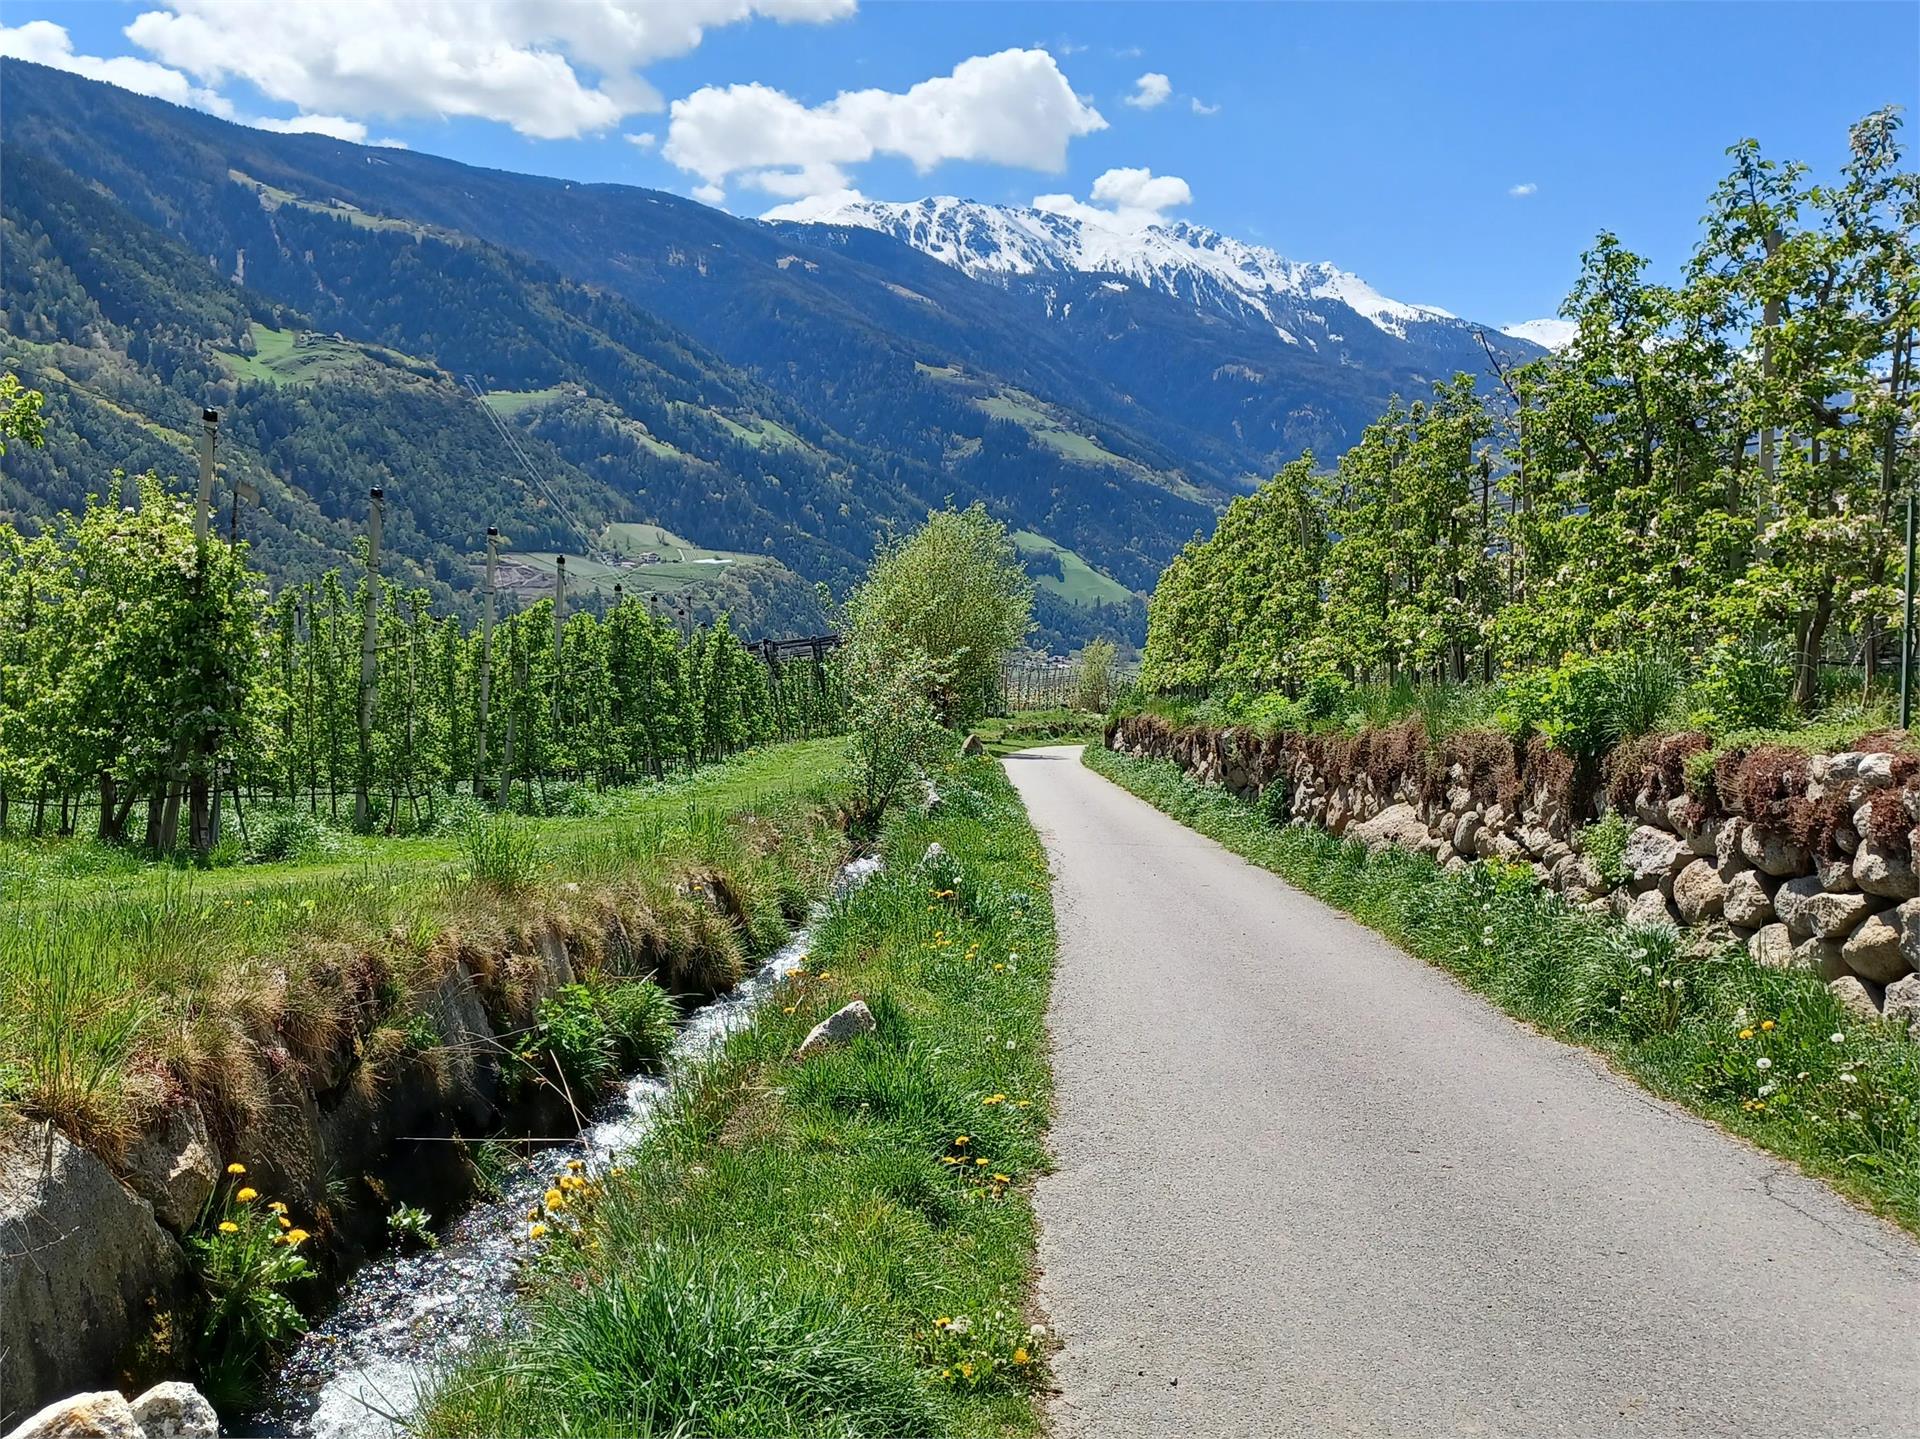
<point x="359" y="1372"/>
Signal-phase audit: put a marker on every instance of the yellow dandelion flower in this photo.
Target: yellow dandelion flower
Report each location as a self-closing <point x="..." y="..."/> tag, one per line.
<point x="948" y="1159"/>
<point x="1767" y="1025"/>
<point x="298" y="1236"/>
<point x="980" y="1162"/>
<point x="1000" y="966"/>
<point x="995" y="1099"/>
<point x="942" y="1322"/>
<point x="285" y="1223"/>
<point x="1002" y="1179"/>
<point x="227" y="1226"/>
<point x="247" y="1195"/>
<point x="576" y="1165"/>
<point x="536" y="1231"/>
<point x="966" y="1371"/>
<point x="1020" y="1356"/>
<point x="1746" y="1034"/>
<point x="276" y="1208"/>
<point x="961" y="1140"/>
<point x="555" y="1199"/>
<point x="236" y="1169"/>
<point x="1023" y="1104"/>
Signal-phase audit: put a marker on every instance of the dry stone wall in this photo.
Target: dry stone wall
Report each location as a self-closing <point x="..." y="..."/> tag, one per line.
<point x="1806" y="859"/>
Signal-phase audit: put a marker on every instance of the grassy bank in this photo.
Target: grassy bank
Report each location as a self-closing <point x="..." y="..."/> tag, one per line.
<point x="837" y="1246"/>
<point x="1767" y="1053"/>
<point x="125" y="987"/>
<point x="1003" y="734"/>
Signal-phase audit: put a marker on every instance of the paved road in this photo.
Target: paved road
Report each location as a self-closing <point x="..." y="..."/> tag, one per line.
<point x="1309" y="1185"/>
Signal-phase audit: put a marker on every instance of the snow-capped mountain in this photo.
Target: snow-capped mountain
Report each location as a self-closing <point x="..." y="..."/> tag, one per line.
<point x="1550" y="333"/>
<point x="1190" y="262"/>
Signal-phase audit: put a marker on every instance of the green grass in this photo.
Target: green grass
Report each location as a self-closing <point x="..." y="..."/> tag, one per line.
<point x="1003" y="734"/>
<point x="508" y="403"/>
<point x="811" y="1248"/>
<point x="119" y="981"/>
<point x="1080" y="583"/>
<point x="1049" y="431"/>
<point x="1694" y="1029"/>
<point x="304" y="357"/>
<point x="682" y="566"/>
<point x="66" y="871"/>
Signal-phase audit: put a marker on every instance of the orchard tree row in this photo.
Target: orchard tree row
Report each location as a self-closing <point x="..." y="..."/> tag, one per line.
<point x="1720" y="465"/>
<point x="144" y="670"/>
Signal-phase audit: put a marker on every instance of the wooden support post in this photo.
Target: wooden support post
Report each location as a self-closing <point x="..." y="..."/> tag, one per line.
<point x="486" y="662"/>
<point x="369" y="662"/>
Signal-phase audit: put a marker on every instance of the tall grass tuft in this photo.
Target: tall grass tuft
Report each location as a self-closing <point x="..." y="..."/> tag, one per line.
<point x="502" y="851"/>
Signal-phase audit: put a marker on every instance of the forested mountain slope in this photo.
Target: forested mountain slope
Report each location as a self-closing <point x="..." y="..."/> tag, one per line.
<point x="783" y="392"/>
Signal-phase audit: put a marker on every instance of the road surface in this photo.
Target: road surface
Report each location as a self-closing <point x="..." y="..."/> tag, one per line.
<point x="1309" y="1185"/>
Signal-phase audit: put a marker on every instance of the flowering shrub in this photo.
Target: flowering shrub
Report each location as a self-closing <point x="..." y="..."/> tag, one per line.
<point x="246" y="1255"/>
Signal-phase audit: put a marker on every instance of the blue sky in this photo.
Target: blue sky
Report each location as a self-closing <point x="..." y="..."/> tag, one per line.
<point x="1390" y="139"/>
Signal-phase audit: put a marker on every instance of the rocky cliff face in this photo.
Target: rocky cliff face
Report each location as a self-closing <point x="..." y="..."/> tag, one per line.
<point x="1805" y="859"/>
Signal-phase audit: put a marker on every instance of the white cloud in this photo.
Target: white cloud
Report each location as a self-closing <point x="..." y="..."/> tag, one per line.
<point x="1128" y="198"/>
<point x="814" y="207"/>
<point x="1520" y="192"/>
<point x="46" y="43"/>
<point x="1150" y="90"/>
<point x="335" y="126"/>
<point x="1010" y="108"/>
<point x="710" y="194"/>
<point x="646" y="139"/>
<point x="1201" y="107"/>
<point x="513" y="61"/>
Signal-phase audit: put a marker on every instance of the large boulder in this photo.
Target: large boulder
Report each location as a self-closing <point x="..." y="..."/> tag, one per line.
<point x="1746" y="901"/>
<point x="102" y="1414"/>
<point x="1790" y="901"/>
<point x="1880" y="869"/>
<point x="1901" y="1002"/>
<point x="1653" y="855"/>
<point x="94" y="1256"/>
<point x="1835" y="874"/>
<point x="1396" y="824"/>
<point x="1767" y="851"/>
<point x="837" y="1028"/>
<point x="1699" y="892"/>
<point x="1859" y="998"/>
<point x="1650" y="908"/>
<point x="1821" y="957"/>
<point x="176" y="1411"/>
<point x="1726" y="848"/>
<point x="1873" y="951"/>
<point x="1835" y="916"/>
<point x="1772" y="946"/>
<point x="174" y="1166"/>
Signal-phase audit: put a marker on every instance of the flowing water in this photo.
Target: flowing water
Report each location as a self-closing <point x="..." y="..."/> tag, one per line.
<point x="359" y="1372"/>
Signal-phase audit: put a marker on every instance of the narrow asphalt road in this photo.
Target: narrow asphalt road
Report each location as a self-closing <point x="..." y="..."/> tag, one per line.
<point x="1309" y="1185"/>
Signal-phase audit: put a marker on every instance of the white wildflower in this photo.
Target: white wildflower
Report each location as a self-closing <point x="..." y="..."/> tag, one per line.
<point x="1763" y="1063"/>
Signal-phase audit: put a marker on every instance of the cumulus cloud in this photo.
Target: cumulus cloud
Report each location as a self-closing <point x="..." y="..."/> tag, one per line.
<point x="1127" y="198"/>
<point x="1520" y="192"/>
<point x="645" y="140"/>
<point x="46" y="43"/>
<point x="1150" y="90"/>
<point x="335" y="126"/>
<point x="1010" y="108"/>
<point x="1201" y="107"/>
<point x="512" y="61"/>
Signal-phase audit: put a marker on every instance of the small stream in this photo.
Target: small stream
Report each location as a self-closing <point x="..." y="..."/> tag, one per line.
<point x="357" y="1374"/>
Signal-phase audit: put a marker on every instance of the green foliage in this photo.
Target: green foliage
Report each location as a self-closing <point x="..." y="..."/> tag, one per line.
<point x="1769" y="1053"/>
<point x="20" y="417"/>
<point x="1604" y="843"/>
<point x="502" y="851"/>
<point x="955" y="592"/>
<point x="800" y="1247"/>
<point x="1721" y="457"/>
<point x="570" y="1028"/>
<point x="1743" y="687"/>
<point x="245" y="1257"/>
<point x="640" y="1016"/>
<point x="1093" y="680"/>
<point x="282" y="834"/>
<point x="412" y="1227"/>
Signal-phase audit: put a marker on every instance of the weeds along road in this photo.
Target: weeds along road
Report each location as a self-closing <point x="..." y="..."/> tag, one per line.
<point x="1309" y="1185"/>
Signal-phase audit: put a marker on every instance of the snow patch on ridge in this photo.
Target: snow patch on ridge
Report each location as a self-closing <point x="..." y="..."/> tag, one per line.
<point x="1174" y="257"/>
